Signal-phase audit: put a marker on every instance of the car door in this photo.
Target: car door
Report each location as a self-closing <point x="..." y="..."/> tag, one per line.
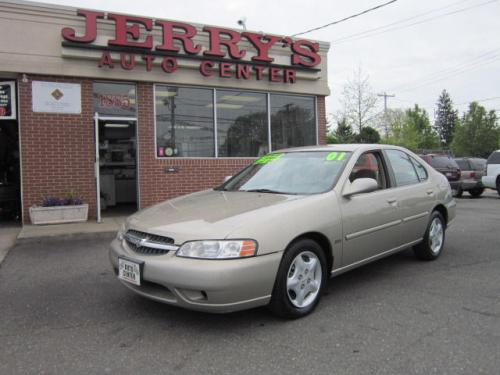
<point x="370" y="220"/>
<point x="414" y="192"/>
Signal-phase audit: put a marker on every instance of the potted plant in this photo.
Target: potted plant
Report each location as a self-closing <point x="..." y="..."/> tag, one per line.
<point x="56" y="210"/>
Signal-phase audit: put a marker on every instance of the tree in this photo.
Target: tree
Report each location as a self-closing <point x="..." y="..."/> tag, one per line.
<point x="344" y="133"/>
<point x="393" y="122"/>
<point x="331" y="139"/>
<point x="358" y="101"/>
<point x="446" y="119"/>
<point x="368" y="135"/>
<point x="477" y="134"/>
<point x="414" y="130"/>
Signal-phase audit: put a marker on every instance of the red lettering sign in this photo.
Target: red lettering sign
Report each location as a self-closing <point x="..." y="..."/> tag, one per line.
<point x="179" y="38"/>
<point x="90" y="27"/>
<point x="169" y="35"/>
<point x="123" y="31"/>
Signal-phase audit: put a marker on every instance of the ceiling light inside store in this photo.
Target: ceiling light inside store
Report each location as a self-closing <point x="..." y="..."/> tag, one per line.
<point x="166" y="93"/>
<point x="225" y="105"/>
<point x="116" y="125"/>
<point x="240" y="98"/>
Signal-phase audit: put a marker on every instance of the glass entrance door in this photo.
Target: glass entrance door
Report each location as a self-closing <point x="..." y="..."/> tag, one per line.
<point x="116" y="166"/>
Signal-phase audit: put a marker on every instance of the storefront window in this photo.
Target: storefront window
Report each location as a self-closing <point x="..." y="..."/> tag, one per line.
<point x="242" y="124"/>
<point x="184" y="122"/>
<point x="293" y="121"/>
<point x="186" y="127"/>
<point x="115" y="99"/>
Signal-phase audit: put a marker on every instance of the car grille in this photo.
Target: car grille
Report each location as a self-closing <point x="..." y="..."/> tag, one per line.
<point x="149" y="244"/>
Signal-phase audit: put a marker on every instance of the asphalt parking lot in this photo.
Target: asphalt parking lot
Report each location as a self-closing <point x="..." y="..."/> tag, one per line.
<point x="63" y="312"/>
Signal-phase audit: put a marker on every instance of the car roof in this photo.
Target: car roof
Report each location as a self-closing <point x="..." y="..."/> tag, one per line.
<point x="342" y="147"/>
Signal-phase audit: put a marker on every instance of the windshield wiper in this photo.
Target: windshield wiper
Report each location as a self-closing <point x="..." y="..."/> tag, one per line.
<point x="266" y="191"/>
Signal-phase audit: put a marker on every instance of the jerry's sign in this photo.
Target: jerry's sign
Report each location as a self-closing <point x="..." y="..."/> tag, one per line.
<point x="224" y="56"/>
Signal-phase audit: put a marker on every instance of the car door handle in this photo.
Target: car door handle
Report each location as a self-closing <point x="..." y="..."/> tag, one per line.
<point x="392" y="201"/>
<point x="430" y="192"/>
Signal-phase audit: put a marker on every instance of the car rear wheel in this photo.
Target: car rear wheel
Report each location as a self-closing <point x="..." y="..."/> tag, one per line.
<point x="432" y="245"/>
<point x="476" y="192"/>
<point x="300" y="280"/>
<point x="498" y="186"/>
<point x="458" y="193"/>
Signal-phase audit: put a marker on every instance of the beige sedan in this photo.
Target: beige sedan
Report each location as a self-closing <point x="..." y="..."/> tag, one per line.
<point x="276" y="231"/>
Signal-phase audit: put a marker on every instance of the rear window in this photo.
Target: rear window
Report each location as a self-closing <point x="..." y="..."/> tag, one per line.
<point x="443" y="162"/>
<point x="494" y="158"/>
<point x="463" y="164"/>
<point x="479" y="163"/>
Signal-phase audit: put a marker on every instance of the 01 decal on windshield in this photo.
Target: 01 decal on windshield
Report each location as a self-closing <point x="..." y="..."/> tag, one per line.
<point x="268" y="158"/>
<point x="339" y="156"/>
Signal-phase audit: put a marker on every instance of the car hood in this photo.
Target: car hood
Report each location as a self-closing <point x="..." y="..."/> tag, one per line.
<point x="207" y="214"/>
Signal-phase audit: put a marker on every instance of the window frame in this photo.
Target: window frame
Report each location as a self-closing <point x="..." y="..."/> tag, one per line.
<point x="214" y="101"/>
<point x="379" y="155"/>
<point x="393" y="175"/>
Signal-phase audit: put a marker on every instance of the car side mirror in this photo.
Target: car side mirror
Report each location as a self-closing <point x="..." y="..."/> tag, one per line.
<point x="227" y="178"/>
<point x="360" y="185"/>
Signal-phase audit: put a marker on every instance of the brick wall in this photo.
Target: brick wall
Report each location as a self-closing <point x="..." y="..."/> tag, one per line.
<point x="321" y="120"/>
<point x="57" y="150"/>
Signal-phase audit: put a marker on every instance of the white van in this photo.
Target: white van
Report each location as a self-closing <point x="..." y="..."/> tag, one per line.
<point x="492" y="177"/>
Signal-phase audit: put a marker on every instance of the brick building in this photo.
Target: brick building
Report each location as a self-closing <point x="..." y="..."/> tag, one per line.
<point x="127" y="111"/>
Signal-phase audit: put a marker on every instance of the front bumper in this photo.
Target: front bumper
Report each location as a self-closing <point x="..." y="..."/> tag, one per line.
<point x="217" y="286"/>
<point x="489" y="181"/>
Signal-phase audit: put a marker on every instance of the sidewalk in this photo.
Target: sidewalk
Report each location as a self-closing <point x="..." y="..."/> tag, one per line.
<point x="107" y="226"/>
<point x="8" y="235"/>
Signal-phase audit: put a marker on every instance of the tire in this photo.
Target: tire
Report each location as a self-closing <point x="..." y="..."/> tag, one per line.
<point x="300" y="280"/>
<point x="432" y="245"/>
<point x="459" y="193"/>
<point x="476" y="193"/>
<point x="498" y="186"/>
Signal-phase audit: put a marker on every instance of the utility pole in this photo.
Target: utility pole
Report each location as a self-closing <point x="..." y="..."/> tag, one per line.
<point x="386" y="95"/>
<point x="386" y="126"/>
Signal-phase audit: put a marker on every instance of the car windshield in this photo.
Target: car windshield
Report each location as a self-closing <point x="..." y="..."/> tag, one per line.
<point x="309" y="172"/>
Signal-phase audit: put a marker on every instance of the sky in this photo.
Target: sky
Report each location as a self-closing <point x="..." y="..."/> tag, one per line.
<point x="418" y="48"/>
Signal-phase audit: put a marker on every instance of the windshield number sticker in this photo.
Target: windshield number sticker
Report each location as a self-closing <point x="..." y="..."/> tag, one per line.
<point x="335" y="156"/>
<point x="268" y="158"/>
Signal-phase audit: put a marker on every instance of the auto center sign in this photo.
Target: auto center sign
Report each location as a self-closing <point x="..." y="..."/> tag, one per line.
<point x="135" y="46"/>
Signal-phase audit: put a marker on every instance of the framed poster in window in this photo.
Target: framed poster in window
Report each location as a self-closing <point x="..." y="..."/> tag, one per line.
<point x="7" y="100"/>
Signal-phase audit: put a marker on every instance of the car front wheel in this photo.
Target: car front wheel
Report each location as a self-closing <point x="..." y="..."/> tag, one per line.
<point x="432" y="245"/>
<point x="300" y="280"/>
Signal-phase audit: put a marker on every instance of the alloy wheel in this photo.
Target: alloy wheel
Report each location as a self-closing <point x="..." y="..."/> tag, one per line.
<point x="436" y="235"/>
<point x="304" y="279"/>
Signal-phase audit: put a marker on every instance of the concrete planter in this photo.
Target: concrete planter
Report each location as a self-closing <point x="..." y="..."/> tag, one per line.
<point x="59" y="214"/>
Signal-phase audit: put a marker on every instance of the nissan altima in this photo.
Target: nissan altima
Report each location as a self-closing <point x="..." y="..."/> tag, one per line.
<point x="276" y="231"/>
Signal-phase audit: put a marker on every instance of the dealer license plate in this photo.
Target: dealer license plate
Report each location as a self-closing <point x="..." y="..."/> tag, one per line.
<point x="448" y="174"/>
<point x="129" y="271"/>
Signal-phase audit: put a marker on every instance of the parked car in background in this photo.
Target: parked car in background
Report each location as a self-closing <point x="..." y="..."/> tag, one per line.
<point x="492" y="177"/>
<point x="276" y="231"/>
<point x="448" y="167"/>
<point x="472" y="170"/>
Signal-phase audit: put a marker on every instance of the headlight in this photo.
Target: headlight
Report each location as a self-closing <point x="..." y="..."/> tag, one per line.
<point x="227" y="249"/>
